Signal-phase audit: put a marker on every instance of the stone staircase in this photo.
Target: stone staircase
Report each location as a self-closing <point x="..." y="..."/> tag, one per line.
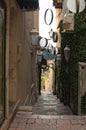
<point x="48" y="104"/>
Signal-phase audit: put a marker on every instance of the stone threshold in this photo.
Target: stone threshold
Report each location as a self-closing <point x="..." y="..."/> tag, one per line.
<point x="69" y="117"/>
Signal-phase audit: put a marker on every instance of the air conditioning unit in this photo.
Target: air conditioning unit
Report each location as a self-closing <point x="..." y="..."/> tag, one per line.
<point x="68" y="22"/>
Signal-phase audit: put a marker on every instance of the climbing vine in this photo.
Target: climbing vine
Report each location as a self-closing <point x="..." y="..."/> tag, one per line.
<point x="77" y="44"/>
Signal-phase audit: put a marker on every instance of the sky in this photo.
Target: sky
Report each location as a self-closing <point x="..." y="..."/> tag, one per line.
<point x="43" y="28"/>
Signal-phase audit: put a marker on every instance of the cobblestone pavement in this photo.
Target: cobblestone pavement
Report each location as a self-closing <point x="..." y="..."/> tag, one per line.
<point x="26" y="121"/>
<point x="48" y="114"/>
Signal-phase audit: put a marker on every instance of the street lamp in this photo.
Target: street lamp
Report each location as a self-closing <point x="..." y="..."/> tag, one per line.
<point x="34" y="36"/>
<point x="67" y="53"/>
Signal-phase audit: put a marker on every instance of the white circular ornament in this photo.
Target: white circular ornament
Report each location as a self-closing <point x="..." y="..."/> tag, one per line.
<point x="43" y="42"/>
<point x="76" y="6"/>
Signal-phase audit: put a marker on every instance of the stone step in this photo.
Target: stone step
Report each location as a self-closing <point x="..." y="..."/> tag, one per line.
<point x="50" y="105"/>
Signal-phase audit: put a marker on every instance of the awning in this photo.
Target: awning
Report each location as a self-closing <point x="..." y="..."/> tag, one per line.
<point x="28" y="4"/>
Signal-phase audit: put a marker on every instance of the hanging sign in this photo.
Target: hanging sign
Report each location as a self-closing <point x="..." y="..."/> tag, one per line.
<point x="76" y="6"/>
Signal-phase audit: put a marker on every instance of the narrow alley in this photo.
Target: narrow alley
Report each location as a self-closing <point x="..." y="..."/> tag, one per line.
<point x="48" y="113"/>
<point x="42" y="64"/>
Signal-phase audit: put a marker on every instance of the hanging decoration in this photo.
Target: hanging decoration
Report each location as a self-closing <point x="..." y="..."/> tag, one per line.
<point x="55" y="37"/>
<point x="76" y="6"/>
<point x="48" y="16"/>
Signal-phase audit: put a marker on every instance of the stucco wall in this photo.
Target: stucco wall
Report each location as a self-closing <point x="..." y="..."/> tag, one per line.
<point x="20" y="67"/>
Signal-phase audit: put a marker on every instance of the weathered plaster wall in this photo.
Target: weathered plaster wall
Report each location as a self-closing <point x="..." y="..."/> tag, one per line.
<point x="20" y="57"/>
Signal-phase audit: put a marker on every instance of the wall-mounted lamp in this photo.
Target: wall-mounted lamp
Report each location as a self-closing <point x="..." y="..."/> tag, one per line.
<point x="51" y="33"/>
<point x="58" y="61"/>
<point x="67" y="53"/>
<point x="39" y="56"/>
<point x="34" y="37"/>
